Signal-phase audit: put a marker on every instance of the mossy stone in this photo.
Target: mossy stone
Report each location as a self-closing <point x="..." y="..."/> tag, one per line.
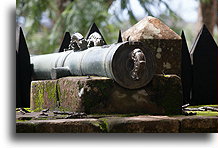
<point x="103" y="95"/>
<point x="43" y="95"/>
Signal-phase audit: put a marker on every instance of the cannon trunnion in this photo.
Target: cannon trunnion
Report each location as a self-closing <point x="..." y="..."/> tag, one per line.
<point x="130" y="64"/>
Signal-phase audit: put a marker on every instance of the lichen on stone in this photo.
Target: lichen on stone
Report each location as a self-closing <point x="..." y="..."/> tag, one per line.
<point x="158" y="55"/>
<point x="167" y="65"/>
<point x="38" y="101"/>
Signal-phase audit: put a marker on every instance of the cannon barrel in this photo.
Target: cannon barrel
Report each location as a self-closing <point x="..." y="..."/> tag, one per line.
<point x="130" y="64"/>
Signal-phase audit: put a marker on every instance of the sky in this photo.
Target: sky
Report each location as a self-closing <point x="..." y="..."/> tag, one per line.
<point x="187" y="9"/>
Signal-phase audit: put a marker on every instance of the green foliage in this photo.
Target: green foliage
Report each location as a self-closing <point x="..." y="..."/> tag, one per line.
<point x="205" y="1"/>
<point x="77" y="16"/>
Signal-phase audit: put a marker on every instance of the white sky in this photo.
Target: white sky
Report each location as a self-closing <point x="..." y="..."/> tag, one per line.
<point x="187" y="9"/>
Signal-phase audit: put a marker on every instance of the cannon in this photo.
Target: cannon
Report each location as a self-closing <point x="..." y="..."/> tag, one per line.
<point x="130" y="64"/>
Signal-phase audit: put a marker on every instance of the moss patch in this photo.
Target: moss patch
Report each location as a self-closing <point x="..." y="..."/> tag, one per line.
<point x="28" y="109"/>
<point x="202" y="106"/>
<point x="205" y="113"/>
<point x="104" y="125"/>
<point x="37" y="96"/>
<point x="43" y="95"/>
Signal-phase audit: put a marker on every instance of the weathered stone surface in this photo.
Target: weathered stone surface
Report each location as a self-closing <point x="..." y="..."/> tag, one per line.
<point x="118" y="124"/>
<point x="43" y="95"/>
<point x="59" y="126"/>
<point x="143" y="124"/>
<point x="103" y="95"/>
<point x="164" y="42"/>
<point x="167" y="93"/>
<point x="200" y="124"/>
<point x="83" y="95"/>
<point x="24" y="127"/>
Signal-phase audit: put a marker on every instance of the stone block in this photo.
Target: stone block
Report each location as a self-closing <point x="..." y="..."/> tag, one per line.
<point x="24" y="127"/>
<point x="143" y="124"/>
<point x="43" y="95"/>
<point x="81" y="94"/>
<point x="164" y="42"/>
<point x="199" y="124"/>
<point x="59" y="126"/>
<point x="117" y="124"/>
<point x="167" y="93"/>
<point x="103" y="95"/>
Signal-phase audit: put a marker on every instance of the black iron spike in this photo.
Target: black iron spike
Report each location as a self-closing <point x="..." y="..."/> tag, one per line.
<point x="65" y="43"/>
<point x="18" y="90"/>
<point x="186" y="71"/>
<point x="22" y="46"/>
<point x="205" y="56"/>
<point x="23" y="72"/>
<point x="93" y="29"/>
<point x="120" y="37"/>
<point x="196" y="40"/>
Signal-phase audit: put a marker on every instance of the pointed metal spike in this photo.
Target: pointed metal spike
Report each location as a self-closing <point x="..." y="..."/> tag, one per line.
<point x="119" y="37"/>
<point x="65" y="43"/>
<point x="18" y="91"/>
<point x="204" y="40"/>
<point x="93" y="29"/>
<point x="196" y="40"/>
<point x="24" y="71"/>
<point x="185" y="46"/>
<point x="186" y="71"/>
<point x="205" y="55"/>
<point x="22" y="46"/>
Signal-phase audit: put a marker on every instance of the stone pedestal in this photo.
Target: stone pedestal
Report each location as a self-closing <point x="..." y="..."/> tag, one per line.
<point x="102" y="95"/>
<point x="164" y="42"/>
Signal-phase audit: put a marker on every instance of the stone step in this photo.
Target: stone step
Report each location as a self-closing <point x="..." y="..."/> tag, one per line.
<point x="116" y="124"/>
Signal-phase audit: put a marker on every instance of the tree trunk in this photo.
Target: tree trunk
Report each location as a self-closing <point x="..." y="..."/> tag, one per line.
<point x="207" y="14"/>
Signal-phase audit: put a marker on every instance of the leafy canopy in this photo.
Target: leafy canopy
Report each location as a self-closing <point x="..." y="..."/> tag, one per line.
<point x="46" y="21"/>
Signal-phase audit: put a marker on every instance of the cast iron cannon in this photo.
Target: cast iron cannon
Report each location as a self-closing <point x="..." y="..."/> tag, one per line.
<point x="130" y="64"/>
